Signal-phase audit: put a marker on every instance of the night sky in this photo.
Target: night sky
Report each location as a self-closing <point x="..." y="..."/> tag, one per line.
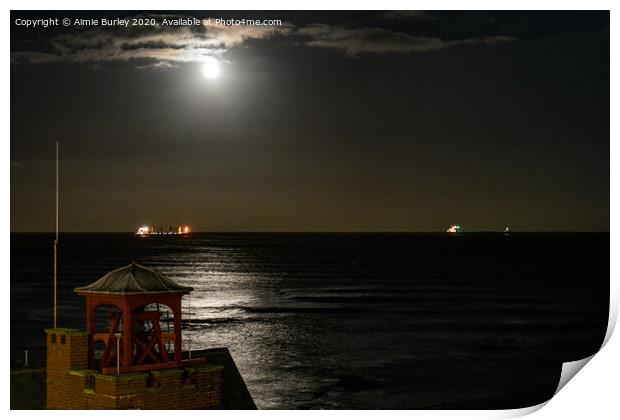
<point x="332" y="121"/>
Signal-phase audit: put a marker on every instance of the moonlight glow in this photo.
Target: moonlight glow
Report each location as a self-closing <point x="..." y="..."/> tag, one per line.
<point x="211" y="68"/>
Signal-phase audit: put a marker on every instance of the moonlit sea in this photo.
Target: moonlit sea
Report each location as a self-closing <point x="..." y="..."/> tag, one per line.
<point x="357" y="321"/>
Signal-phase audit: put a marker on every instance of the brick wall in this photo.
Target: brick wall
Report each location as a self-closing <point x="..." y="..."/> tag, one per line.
<point x="67" y="349"/>
<point x="71" y="385"/>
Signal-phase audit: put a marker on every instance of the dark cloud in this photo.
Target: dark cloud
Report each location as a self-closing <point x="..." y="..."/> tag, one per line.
<point x="376" y="40"/>
<point x="159" y="46"/>
<point x="165" y="47"/>
<point x="408" y="14"/>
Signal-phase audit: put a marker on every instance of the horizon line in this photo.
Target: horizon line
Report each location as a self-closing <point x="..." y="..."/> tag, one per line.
<point x="314" y="231"/>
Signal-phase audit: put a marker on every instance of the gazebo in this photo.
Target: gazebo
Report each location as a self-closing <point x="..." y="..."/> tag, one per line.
<point x="134" y="327"/>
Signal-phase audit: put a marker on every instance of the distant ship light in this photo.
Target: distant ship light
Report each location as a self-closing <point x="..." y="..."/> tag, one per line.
<point x="150" y="230"/>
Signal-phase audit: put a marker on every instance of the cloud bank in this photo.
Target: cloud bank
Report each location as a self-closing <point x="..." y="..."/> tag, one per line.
<point x="164" y="47"/>
<point x="380" y="41"/>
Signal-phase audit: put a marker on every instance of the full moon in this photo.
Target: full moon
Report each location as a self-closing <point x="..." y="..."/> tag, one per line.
<point x="211" y="68"/>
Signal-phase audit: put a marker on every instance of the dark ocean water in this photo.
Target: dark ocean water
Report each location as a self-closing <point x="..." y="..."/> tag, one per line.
<point x="354" y="320"/>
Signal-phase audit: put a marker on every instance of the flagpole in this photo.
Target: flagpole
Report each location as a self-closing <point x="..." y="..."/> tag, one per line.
<point x="56" y="248"/>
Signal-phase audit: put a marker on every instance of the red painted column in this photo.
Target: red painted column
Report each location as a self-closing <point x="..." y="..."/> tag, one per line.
<point x="178" y="345"/>
<point x="90" y="327"/>
<point x="127" y="335"/>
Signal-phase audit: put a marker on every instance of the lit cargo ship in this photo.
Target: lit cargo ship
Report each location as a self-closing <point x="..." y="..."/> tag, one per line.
<point x="149" y="230"/>
<point x="458" y="229"/>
